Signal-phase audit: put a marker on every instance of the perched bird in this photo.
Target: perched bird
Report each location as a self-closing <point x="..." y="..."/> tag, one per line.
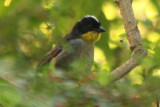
<point x="77" y="45"/>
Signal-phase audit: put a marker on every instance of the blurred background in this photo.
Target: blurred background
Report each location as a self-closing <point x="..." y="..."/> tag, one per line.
<point x="30" y="28"/>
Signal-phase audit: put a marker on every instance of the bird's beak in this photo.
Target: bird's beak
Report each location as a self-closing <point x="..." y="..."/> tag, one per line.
<point x="100" y="29"/>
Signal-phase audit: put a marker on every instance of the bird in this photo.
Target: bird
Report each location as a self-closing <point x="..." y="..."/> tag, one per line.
<point x="76" y="46"/>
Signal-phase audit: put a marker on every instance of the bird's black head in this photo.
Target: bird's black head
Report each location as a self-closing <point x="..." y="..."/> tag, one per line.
<point x="86" y="24"/>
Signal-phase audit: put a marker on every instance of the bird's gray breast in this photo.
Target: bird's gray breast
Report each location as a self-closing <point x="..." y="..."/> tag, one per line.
<point x="81" y="51"/>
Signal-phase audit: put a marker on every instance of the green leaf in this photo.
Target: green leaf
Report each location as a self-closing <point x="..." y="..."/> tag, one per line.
<point x="9" y="95"/>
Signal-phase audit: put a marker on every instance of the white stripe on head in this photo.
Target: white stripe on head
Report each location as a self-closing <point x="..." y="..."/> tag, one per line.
<point x="92" y="17"/>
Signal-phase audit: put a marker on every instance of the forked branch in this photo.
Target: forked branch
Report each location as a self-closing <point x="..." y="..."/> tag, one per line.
<point x="134" y="38"/>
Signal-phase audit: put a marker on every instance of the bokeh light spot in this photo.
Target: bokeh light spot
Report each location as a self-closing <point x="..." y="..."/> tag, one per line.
<point x="7" y="3"/>
<point x="109" y="11"/>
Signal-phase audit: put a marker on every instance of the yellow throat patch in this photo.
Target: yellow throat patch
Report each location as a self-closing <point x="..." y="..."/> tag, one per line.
<point x="91" y="36"/>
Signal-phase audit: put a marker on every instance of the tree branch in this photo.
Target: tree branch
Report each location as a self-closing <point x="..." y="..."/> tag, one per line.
<point x="134" y="38"/>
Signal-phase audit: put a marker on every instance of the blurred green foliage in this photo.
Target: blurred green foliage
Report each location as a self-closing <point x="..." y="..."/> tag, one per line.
<point x="30" y="28"/>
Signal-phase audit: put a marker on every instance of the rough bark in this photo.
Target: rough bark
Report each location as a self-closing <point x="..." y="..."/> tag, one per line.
<point x="134" y="38"/>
